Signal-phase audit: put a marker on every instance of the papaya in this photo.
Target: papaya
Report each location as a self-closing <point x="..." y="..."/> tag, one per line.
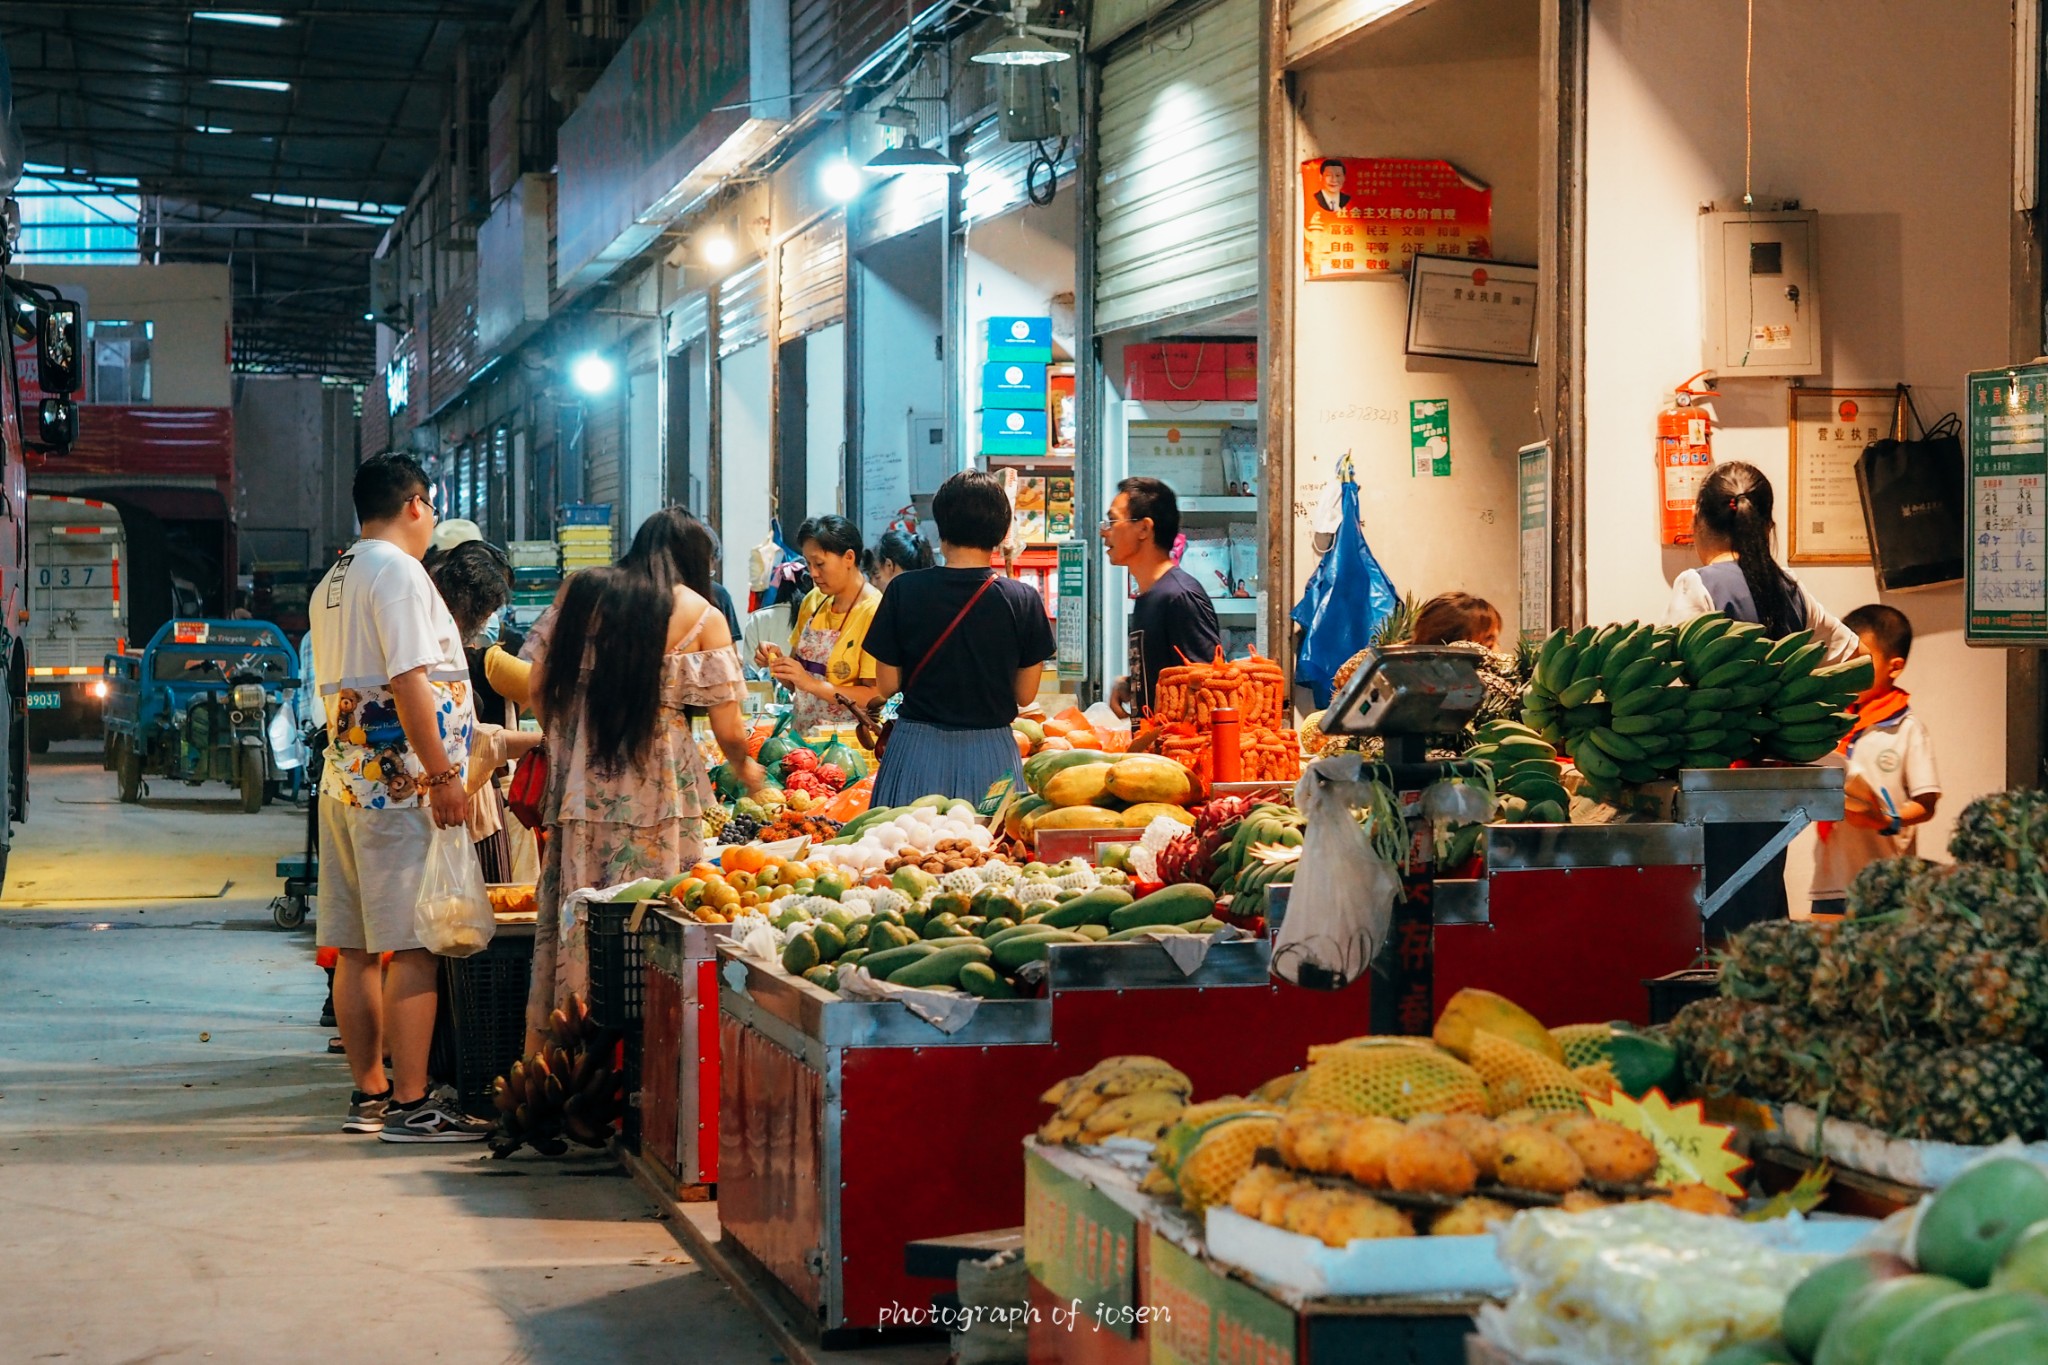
<point x="1035" y="929"/>
<point x="1014" y="953"/>
<point x="1084" y="784"/>
<point x="1145" y="812"/>
<point x="1139" y="931"/>
<point x="881" y="964"/>
<point x="1030" y="729"/>
<point x="989" y="928"/>
<point x="1175" y="905"/>
<point x="1016" y="818"/>
<point x="1074" y="817"/>
<point x="941" y="968"/>
<point x="1040" y="767"/>
<point x="1472" y="1010"/>
<point x="980" y="979"/>
<point x="1094" y="907"/>
<point x="1139" y="778"/>
<point x="1094" y="933"/>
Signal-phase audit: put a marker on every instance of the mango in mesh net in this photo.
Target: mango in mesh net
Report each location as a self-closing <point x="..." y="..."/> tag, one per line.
<point x="1397" y="1080"/>
<point x="1517" y="1078"/>
<point x="1585" y="1044"/>
<point x="1219" y="1160"/>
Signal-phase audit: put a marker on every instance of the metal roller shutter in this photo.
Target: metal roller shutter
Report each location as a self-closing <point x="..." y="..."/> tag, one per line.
<point x="813" y="279"/>
<point x="1178" y="198"/>
<point x="604" y="447"/>
<point x="996" y="172"/>
<point x="898" y="205"/>
<point x="689" y="320"/>
<point x="743" y="309"/>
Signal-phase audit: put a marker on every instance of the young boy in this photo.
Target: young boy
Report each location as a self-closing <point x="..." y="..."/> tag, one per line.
<point x="1892" y="786"/>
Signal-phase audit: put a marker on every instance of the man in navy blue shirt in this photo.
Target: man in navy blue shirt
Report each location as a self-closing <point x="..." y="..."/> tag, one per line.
<point x="1172" y="620"/>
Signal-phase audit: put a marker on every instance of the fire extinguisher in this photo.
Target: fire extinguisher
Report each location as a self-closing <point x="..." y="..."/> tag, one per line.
<point x="1685" y="453"/>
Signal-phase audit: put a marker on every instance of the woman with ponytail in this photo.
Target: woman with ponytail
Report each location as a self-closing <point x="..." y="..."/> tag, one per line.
<point x="1732" y="528"/>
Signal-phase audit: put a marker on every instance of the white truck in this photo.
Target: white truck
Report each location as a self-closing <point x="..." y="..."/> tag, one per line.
<point x="78" y="613"/>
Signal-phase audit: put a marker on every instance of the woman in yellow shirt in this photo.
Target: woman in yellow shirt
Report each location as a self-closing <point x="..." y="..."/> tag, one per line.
<point x="828" y="656"/>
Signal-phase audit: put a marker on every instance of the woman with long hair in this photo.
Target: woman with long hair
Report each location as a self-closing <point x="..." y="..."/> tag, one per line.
<point x="827" y="669"/>
<point x="626" y="786"/>
<point x="1733" y="525"/>
<point x="672" y="547"/>
<point x="965" y="646"/>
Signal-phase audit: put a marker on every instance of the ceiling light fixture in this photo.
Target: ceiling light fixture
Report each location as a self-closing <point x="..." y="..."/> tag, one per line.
<point x="841" y="180"/>
<point x="1026" y="44"/>
<point x="718" y="250"/>
<point x="911" y="157"/>
<point x="593" y="374"/>
<point x="899" y="116"/>
<point x="211" y="128"/>
<point x="237" y="16"/>
<point x="275" y="87"/>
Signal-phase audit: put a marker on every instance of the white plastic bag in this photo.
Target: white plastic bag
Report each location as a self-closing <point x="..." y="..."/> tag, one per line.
<point x="1341" y="906"/>
<point x="453" y="914"/>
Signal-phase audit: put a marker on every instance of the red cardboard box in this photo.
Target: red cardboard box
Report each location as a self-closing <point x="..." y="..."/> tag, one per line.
<point x="1241" y="371"/>
<point x="1175" y="372"/>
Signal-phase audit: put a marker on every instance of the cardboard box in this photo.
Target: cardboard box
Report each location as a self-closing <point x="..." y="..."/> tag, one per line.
<point x="1059" y="507"/>
<point x="1241" y="371"/>
<point x="1013" y="432"/>
<point x="1065" y="411"/>
<point x="1028" y="520"/>
<point x="1175" y="372"/>
<point x="1013" y="384"/>
<point x="1025" y="339"/>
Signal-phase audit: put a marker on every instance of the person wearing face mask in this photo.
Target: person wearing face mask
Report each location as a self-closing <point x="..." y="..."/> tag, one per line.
<point x="827" y="665"/>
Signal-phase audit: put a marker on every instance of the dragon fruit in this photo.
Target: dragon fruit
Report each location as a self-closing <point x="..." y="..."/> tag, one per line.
<point x="1215" y="823"/>
<point x="1177" y="860"/>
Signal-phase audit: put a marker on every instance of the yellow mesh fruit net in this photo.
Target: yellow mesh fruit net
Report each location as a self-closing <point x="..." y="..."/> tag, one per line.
<point x="1396" y="1080"/>
<point x="1220" y="1160"/>
<point x="1584" y="1044"/>
<point x="1598" y="1079"/>
<point x="1517" y="1078"/>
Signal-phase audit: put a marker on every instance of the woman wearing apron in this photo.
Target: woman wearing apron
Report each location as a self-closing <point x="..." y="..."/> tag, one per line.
<point x="828" y="658"/>
<point x="1738" y="575"/>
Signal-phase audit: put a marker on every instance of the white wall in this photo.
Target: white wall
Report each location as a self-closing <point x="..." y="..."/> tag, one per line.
<point x="825" y="420"/>
<point x="901" y="304"/>
<point x="644" y="469"/>
<point x="746" y="468"/>
<point x="1890" y="117"/>
<point x="192" y="307"/>
<point x="1456" y="81"/>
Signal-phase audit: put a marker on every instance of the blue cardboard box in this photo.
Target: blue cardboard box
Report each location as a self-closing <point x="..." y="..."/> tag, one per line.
<point x="1025" y="339"/>
<point x="1013" y="431"/>
<point x="1013" y="384"/>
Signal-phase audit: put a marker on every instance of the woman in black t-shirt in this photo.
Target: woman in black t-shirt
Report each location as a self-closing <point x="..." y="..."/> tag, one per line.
<point x="960" y="689"/>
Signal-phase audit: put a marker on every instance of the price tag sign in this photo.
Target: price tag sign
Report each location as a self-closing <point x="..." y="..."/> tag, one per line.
<point x="1689" y="1149"/>
<point x="1071" y="611"/>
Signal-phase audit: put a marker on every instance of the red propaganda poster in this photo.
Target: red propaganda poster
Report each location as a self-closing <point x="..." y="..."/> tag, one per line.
<point x="1364" y="217"/>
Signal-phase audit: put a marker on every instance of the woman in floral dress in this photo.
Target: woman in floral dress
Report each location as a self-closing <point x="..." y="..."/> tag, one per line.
<point x="626" y="783"/>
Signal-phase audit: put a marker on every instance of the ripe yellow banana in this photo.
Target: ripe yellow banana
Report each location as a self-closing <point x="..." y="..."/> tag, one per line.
<point x="1134" y="1080"/>
<point x="1080" y="1105"/>
<point x="1057" y="1129"/>
<point x="1129" y="1111"/>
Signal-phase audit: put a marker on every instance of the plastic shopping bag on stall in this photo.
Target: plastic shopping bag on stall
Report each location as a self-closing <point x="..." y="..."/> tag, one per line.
<point x="1346" y="599"/>
<point x="1341" y="906"/>
<point x="453" y="914"/>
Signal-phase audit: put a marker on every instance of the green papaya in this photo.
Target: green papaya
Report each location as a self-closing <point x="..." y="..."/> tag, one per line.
<point x="1093" y="907"/>
<point x="941" y="968"/>
<point x="1170" y="905"/>
<point x="980" y="979"/>
<point x="881" y="964"/>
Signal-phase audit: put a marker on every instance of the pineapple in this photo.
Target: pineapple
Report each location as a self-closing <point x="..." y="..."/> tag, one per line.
<point x="1772" y="960"/>
<point x="1973" y="1094"/>
<point x="2004" y="904"/>
<point x="1882" y="887"/>
<point x="1707" y="1034"/>
<point x="2005" y="829"/>
<point x="1843" y="967"/>
<point x="1993" y="995"/>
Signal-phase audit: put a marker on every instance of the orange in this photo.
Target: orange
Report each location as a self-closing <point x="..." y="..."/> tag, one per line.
<point x="745" y="859"/>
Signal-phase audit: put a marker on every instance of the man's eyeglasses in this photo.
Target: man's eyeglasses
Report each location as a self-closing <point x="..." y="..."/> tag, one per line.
<point x="1107" y="522"/>
<point x="425" y="500"/>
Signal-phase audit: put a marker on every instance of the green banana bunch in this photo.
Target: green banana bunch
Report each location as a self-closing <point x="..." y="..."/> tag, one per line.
<point x="1526" y="775"/>
<point x="1809" y="714"/>
<point x="1266" y="823"/>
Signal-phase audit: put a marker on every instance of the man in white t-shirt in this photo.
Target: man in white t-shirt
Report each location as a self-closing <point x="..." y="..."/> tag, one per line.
<point x="394" y="682"/>
<point x="1892" y="786"/>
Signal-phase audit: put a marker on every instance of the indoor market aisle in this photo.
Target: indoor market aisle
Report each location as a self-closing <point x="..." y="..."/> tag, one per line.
<point x="173" y="1179"/>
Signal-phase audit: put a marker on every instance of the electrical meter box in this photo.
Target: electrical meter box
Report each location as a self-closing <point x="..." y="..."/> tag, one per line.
<point x="1760" y="294"/>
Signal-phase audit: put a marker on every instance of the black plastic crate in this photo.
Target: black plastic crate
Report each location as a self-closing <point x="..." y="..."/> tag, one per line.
<point x="618" y="962"/>
<point x="1670" y="994"/>
<point x="487" y="1005"/>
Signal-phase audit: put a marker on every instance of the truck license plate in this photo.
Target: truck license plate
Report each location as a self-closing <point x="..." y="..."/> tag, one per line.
<point x="43" y="699"/>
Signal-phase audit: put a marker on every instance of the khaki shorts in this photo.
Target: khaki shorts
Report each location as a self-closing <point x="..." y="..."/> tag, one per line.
<point x="371" y="865"/>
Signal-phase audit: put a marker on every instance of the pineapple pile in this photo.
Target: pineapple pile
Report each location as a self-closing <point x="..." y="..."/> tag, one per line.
<point x="1924" y="1014"/>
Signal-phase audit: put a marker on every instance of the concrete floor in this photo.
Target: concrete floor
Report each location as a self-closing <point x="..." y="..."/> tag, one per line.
<point x="173" y="1181"/>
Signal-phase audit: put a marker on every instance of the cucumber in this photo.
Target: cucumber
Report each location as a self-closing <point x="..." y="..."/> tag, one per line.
<point x="1172" y="905"/>
<point x="980" y="979"/>
<point x="1018" y="951"/>
<point x="941" y="968"/>
<point x="879" y="965"/>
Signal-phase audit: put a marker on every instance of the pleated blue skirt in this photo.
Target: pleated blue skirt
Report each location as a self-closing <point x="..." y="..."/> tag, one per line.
<point x="923" y="760"/>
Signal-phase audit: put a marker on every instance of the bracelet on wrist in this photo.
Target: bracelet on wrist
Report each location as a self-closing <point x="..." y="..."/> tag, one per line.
<point x="440" y="779"/>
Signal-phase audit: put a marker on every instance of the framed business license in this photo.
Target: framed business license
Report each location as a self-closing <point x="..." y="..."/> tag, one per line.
<point x="1829" y="429"/>
<point x="1472" y="310"/>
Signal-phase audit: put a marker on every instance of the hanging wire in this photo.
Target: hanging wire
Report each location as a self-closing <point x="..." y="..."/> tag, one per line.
<point x="1748" y="103"/>
<point x="1048" y="164"/>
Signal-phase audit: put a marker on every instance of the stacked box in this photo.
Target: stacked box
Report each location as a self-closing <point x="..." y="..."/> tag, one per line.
<point x="1014" y="416"/>
<point x="585" y="535"/>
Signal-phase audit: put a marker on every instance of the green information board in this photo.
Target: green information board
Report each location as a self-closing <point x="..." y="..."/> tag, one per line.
<point x="1202" y="1317"/>
<point x="2007" y="569"/>
<point x="1071" y="623"/>
<point x="1081" y="1245"/>
<point x="1533" y="485"/>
